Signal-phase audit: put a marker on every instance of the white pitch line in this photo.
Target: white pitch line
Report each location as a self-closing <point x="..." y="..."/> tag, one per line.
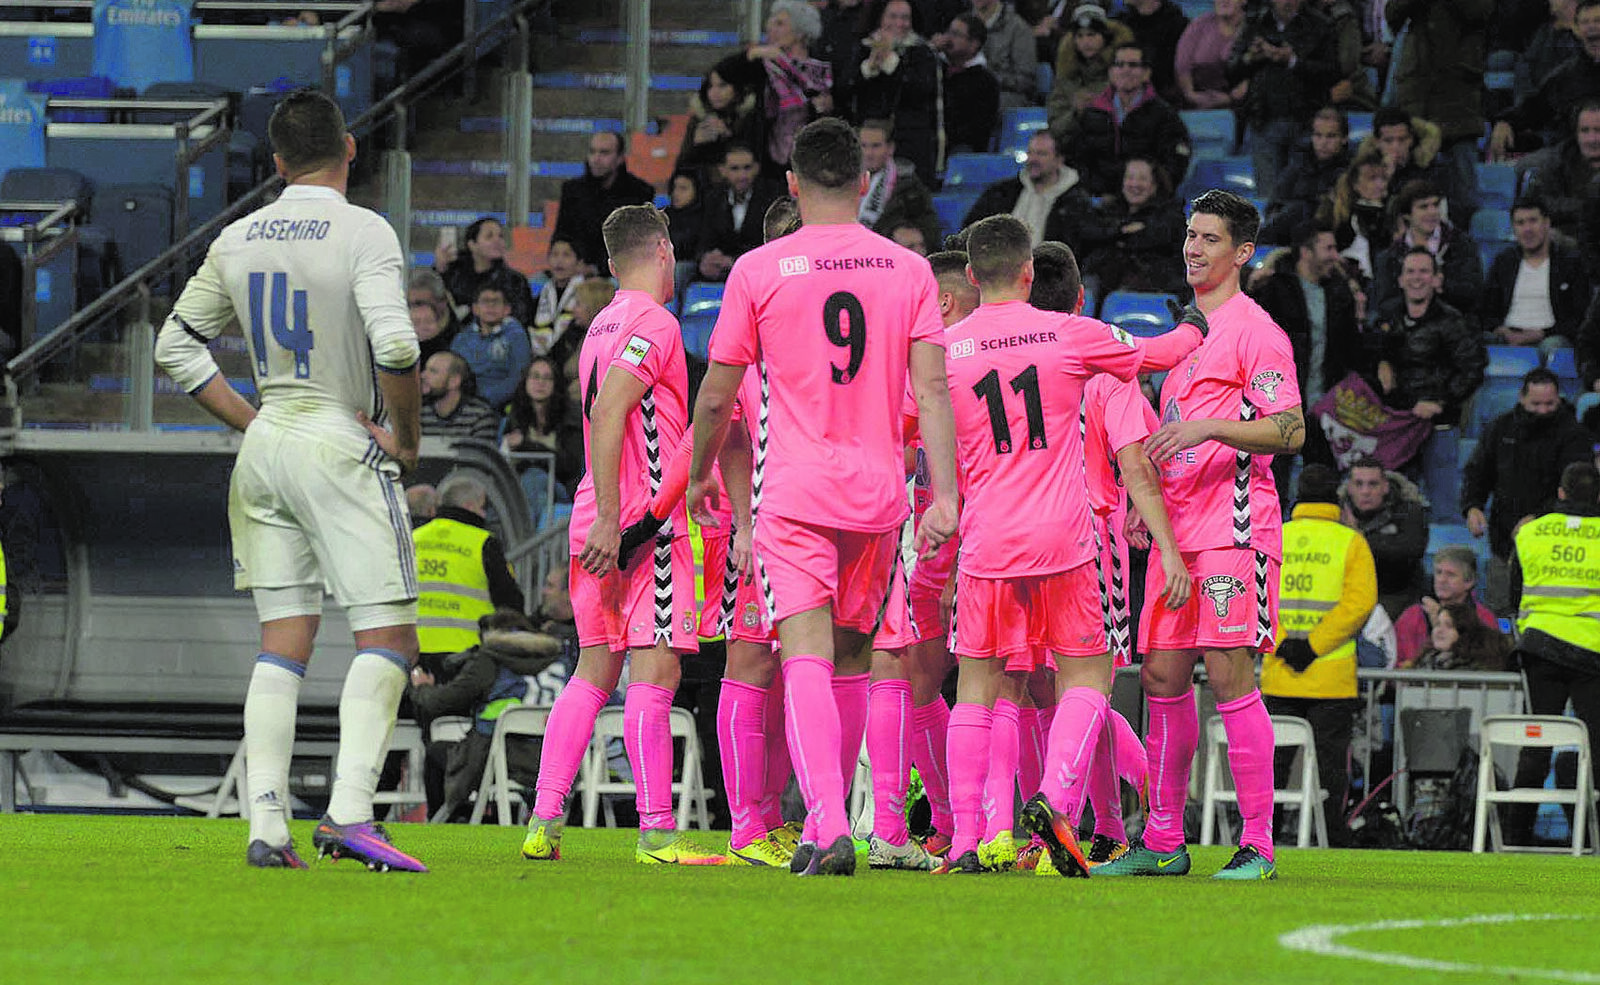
<point x="1324" y="939"/>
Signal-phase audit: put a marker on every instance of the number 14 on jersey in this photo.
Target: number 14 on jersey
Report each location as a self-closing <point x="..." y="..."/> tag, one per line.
<point x="286" y="311"/>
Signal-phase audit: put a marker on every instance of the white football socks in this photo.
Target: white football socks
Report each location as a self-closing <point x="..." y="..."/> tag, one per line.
<point x="367" y="707"/>
<point x="269" y="715"/>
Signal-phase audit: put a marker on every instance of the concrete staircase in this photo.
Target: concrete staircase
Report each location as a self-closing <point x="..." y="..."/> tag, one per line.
<point x="459" y="155"/>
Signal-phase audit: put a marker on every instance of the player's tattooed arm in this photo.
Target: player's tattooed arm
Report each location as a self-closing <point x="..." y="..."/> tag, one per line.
<point x="1280" y="433"/>
<point x="1291" y="426"/>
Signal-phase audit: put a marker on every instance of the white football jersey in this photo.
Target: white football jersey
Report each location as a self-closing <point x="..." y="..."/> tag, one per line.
<point x="317" y="286"/>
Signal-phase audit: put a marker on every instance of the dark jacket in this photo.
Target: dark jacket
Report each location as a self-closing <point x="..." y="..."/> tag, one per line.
<point x="1301" y="187"/>
<point x="1463" y="271"/>
<point x="1147" y="260"/>
<point x="971" y="109"/>
<point x="1397" y="532"/>
<point x="1587" y="346"/>
<point x="1344" y="349"/>
<point x="910" y="204"/>
<point x="910" y="96"/>
<point x="1066" y="214"/>
<point x="1569" y="288"/>
<point x="1545" y="111"/>
<point x="1159" y="33"/>
<point x="744" y="125"/>
<point x="717" y="230"/>
<point x="1098" y="146"/>
<point x="1518" y="462"/>
<point x="494" y="670"/>
<point x="585" y="204"/>
<point x="1437" y="357"/>
<point x="1440" y="74"/>
<point x="1564" y="181"/>
<point x="463" y="283"/>
<point x="1277" y="91"/>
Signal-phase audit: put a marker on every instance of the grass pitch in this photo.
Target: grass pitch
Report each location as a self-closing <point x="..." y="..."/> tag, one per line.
<point x="118" y="899"/>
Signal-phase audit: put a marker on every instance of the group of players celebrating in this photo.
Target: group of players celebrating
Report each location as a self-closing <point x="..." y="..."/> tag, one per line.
<point x="842" y="365"/>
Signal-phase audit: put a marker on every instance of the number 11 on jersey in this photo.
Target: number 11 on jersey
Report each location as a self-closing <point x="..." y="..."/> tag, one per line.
<point x="295" y="338"/>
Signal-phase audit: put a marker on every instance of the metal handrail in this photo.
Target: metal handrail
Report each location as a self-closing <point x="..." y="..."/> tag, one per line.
<point x="126" y="292"/>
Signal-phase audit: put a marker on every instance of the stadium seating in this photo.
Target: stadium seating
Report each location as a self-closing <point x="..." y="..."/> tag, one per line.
<point x="1494" y="397"/>
<point x="951" y="207"/>
<point x="1493" y="225"/>
<point x="978" y="171"/>
<point x="692" y="793"/>
<point x="1488" y="250"/>
<point x="697" y="333"/>
<point x="1510" y="362"/>
<point x="1137" y="313"/>
<point x="1564" y="363"/>
<point x="1360" y="126"/>
<point x="1210" y="132"/>
<point x="702" y="298"/>
<point x="87" y="87"/>
<point x="1441" y="478"/>
<point x="138" y="218"/>
<point x="1497" y="186"/>
<point x="1017" y="126"/>
<point x="1235" y="173"/>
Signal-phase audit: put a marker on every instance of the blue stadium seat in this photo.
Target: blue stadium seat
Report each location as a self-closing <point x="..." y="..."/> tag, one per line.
<point x="1017" y="126"/>
<point x="702" y="298"/>
<point x="1492" y="224"/>
<point x="1564" y="363"/>
<point x="138" y="218"/>
<point x="1496" y="396"/>
<point x="1499" y="81"/>
<point x="1236" y="174"/>
<point x="697" y="334"/>
<point x="1441" y="477"/>
<point x="1210" y="131"/>
<point x="1449" y="535"/>
<point x="1138" y="313"/>
<point x="88" y="87"/>
<point x="1488" y="250"/>
<point x="1511" y="362"/>
<point x="1360" y="126"/>
<point x="46" y="185"/>
<point x="978" y="171"/>
<point x="1497" y="184"/>
<point x="952" y="207"/>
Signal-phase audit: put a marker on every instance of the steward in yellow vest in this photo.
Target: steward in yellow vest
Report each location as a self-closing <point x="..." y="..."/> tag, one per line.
<point x="462" y="572"/>
<point x="1327" y="589"/>
<point x="1556" y="566"/>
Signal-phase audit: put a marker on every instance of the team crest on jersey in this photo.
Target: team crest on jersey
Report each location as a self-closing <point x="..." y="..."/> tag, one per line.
<point x="961" y="348"/>
<point x="752" y="616"/>
<point x="1169" y="413"/>
<point x="793" y="266"/>
<point x="688" y="620"/>
<point x="1122" y="336"/>
<point x="1268" y="382"/>
<point x="636" y="349"/>
<point x="1221" y="589"/>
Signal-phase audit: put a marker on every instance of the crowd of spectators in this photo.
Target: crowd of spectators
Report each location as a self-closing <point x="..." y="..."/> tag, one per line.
<point x="1372" y="269"/>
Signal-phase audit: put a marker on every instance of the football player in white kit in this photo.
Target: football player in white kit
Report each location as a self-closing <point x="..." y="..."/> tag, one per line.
<point x="318" y="288"/>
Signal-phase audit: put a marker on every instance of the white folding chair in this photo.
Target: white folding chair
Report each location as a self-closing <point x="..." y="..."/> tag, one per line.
<point x="692" y="793"/>
<point x="516" y="720"/>
<point x="1539" y="732"/>
<point x="1307" y="794"/>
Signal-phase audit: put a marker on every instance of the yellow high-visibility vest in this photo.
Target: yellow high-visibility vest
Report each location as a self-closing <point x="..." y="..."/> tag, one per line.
<point x="1560" y="559"/>
<point x="1311" y="584"/>
<point x="453" y="588"/>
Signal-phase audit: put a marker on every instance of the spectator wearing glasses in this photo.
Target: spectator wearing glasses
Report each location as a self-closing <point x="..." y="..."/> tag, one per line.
<point x="1127" y="119"/>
